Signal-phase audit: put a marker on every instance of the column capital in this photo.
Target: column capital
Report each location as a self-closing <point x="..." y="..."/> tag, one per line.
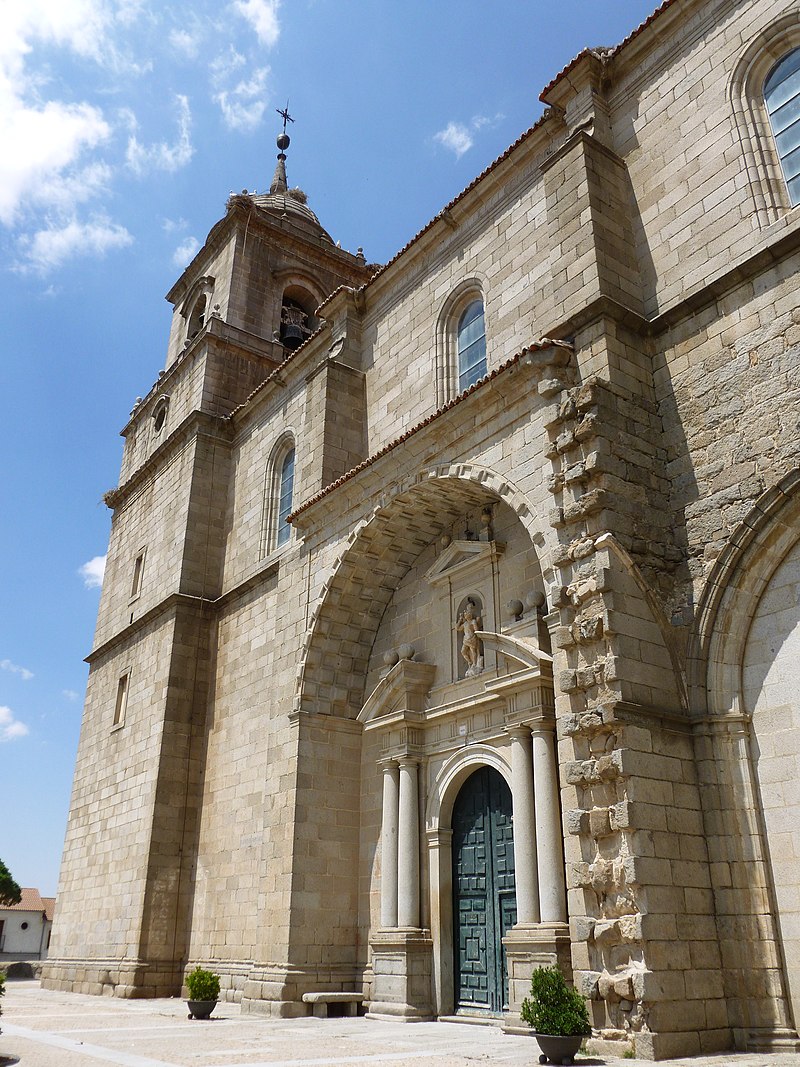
<point x="439" y="836"/>
<point x="542" y="724"/>
<point x="387" y="763"/>
<point x="518" y="730"/>
<point x="407" y="759"/>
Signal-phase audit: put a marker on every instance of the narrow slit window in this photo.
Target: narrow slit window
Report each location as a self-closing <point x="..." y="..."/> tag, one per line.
<point x="285" y="487"/>
<point x="471" y="345"/>
<point x="122" y="700"/>
<point x="782" y="97"/>
<point x="138" y="570"/>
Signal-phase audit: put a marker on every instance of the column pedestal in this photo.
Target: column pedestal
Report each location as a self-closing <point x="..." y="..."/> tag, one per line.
<point x="401" y="967"/>
<point x="529" y="946"/>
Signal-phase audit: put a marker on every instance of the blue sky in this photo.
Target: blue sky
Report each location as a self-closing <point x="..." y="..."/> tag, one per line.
<point x="125" y="124"/>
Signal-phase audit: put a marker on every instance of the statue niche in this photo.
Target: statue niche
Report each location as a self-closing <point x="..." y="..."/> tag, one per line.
<point x="465" y="576"/>
<point x="469" y="620"/>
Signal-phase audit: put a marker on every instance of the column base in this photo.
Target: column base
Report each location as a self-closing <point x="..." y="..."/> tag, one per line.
<point x="402" y="961"/>
<point x="779" y="1040"/>
<point x="529" y="946"/>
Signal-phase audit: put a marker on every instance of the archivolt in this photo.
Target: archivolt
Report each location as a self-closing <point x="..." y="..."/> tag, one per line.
<point x="381" y="548"/>
<point x="731" y="595"/>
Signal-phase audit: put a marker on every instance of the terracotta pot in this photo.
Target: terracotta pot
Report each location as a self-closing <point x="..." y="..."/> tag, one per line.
<point x="556" y="1049"/>
<point x="201" y="1009"/>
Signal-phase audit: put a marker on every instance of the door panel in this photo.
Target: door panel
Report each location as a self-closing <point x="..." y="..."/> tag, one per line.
<point x="484" y="905"/>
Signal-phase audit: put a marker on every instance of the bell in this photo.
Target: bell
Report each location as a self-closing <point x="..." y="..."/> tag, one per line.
<point x="292" y="335"/>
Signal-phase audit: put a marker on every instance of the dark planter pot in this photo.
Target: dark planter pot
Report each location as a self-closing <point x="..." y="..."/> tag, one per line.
<point x="557" y="1049"/>
<point x="201" y="1009"/>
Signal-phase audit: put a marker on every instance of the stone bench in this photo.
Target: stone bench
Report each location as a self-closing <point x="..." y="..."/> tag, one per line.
<point x="320" y="1002"/>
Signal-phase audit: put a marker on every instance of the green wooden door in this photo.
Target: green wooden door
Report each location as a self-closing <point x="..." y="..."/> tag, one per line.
<point x="484" y="900"/>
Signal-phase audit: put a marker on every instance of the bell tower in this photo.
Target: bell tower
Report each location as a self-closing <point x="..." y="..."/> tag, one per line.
<point x="245" y="304"/>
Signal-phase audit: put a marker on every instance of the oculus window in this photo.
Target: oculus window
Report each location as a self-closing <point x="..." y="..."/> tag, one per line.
<point x="782" y="98"/>
<point x="471" y="345"/>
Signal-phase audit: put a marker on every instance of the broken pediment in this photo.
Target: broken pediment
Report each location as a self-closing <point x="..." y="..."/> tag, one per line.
<point x="462" y="557"/>
<point x="400" y="692"/>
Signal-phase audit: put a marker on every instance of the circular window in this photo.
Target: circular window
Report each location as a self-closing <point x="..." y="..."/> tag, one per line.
<point x="160" y="414"/>
<point x="24" y="926"/>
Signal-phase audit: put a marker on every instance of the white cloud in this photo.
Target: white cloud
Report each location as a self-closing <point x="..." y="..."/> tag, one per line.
<point x="185" y="42"/>
<point x="39" y="144"/>
<point x="456" y="137"/>
<point x="224" y="65"/>
<point x="13" y="668"/>
<point x="93" y="571"/>
<point x="47" y="249"/>
<point x="173" y="225"/>
<point x="10" y="727"/>
<point x="163" y="156"/>
<point x="70" y="695"/>
<point x="243" y="106"/>
<point x="185" y="251"/>
<point x="81" y="25"/>
<point x="263" y="18"/>
<point x="64" y="191"/>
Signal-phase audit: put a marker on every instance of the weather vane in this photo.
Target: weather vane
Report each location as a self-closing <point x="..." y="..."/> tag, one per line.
<point x="284" y="114"/>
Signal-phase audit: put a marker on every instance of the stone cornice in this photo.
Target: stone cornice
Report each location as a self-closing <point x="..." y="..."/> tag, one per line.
<point x="218" y="335"/>
<point x="243" y="211"/>
<point x="778" y="241"/>
<point x="163" y="607"/>
<point x="196" y="424"/>
<point x="202" y="605"/>
<point x="537" y="357"/>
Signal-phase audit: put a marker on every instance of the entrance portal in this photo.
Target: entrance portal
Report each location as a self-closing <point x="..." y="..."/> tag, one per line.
<point x="484" y="899"/>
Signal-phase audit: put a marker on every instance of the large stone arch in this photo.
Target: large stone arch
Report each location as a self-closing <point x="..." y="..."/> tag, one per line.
<point x="378" y="554"/>
<point x="731" y="594"/>
<point x="736" y="742"/>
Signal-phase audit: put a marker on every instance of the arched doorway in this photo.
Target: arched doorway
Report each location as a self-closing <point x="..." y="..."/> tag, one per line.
<point x="484" y="897"/>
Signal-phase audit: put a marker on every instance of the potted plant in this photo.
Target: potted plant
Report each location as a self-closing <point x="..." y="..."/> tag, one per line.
<point x="557" y="1014"/>
<point x="203" y="989"/>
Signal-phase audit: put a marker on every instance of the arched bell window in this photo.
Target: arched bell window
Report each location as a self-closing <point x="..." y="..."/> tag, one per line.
<point x="297" y="316"/>
<point x="471" y="345"/>
<point x="782" y="99"/>
<point x="197" y="319"/>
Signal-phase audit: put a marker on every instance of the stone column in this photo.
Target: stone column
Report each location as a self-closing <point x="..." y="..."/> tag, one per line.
<point x="522" y="795"/>
<point x="408" y="846"/>
<point x="549" y="845"/>
<point x="391" y="799"/>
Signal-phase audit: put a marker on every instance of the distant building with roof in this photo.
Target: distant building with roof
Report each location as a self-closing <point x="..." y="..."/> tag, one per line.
<point x="25" y="927"/>
<point x="450" y="621"/>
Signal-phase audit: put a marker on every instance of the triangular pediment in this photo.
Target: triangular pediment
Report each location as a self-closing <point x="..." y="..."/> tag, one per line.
<point x="462" y="556"/>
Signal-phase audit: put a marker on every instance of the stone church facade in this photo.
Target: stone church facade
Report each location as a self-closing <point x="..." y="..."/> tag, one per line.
<point x="450" y="621"/>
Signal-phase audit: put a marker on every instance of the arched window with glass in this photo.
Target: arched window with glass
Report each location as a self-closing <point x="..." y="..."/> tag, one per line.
<point x="285" y="489"/>
<point x="471" y="345"/>
<point x="782" y="99"/>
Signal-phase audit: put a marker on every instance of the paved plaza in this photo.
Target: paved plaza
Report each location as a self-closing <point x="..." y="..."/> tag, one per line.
<point x="42" y="1028"/>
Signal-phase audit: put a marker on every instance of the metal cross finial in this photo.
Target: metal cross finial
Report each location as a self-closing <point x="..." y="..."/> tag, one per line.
<point x="284" y="114"/>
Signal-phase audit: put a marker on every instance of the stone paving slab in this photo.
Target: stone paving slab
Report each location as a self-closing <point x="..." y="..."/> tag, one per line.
<point x="42" y="1028"/>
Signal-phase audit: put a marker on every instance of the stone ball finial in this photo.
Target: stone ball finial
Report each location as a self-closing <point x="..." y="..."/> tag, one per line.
<point x="515" y="609"/>
<point x="283" y="141"/>
<point x="390" y="658"/>
<point x="406" y="651"/>
<point x="535" y="599"/>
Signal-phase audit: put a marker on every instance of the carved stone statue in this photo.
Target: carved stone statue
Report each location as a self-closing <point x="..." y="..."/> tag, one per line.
<point x="468" y="623"/>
